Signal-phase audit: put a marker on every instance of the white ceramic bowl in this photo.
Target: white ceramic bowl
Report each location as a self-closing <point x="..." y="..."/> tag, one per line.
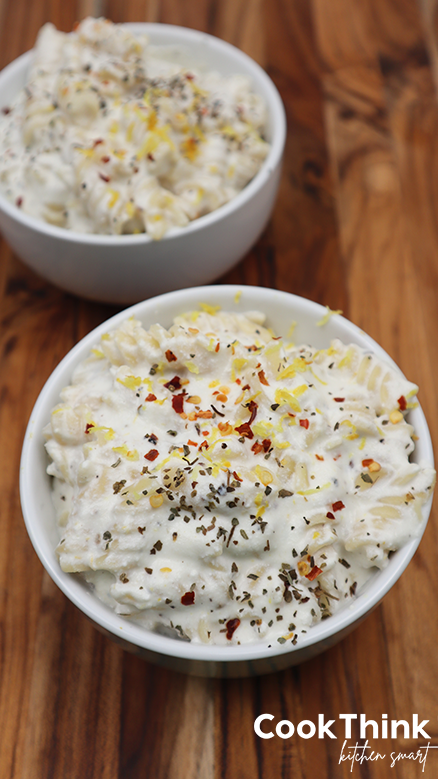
<point x="281" y="309"/>
<point x="127" y="268"/>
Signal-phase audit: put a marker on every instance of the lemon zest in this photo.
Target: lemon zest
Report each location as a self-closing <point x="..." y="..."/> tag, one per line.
<point x="209" y="309"/>
<point x="238" y="364"/>
<point x="148" y="146"/>
<point x="191" y="366"/>
<point x="85" y="152"/>
<point x="300" y="390"/>
<point x="291" y="330"/>
<point x="314" y="491"/>
<point x="189" y="148"/>
<point x="329" y="312"/>
<point x="280" y="444"/>
<point x="261" y="428"/>
<point x="131" y="382"/>
<point x="114" y="197"/>
<point x="347" y="359"/>
<point x="297" y="366"/>
<point x="130" y="454"/>
<point x="353" y="434"/>
<point x="283" y="396"/>
<point x="108" y="431"/>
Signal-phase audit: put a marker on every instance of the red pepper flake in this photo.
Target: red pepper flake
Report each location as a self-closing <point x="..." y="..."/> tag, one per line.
<point x="178" y="403"/>
<point x="173" y="384"/>
<point x="97" y="142"/>
<point x="231" y="626"/>
<point x="252" y="407"/>
<point x="203" y="445"/>
<point x="152" y="455"/>
<point x="329" y="515"/>
<point x="338" y="505"/>
<point x="236" y="476"/>
<point x="264" y="446"/>
<point x="367" y="463"/>
<point x="151" y="157"/>
<point x="217" y="347"/>
<point x="318" y="457"/>
<point x="245" y="430"/>
<point x="191" y="443"/>
<point x="6" y="110"/>
<point x="304" y="423"/>
<point x="170" y="357"/>
<point x="188" y="599"/>
<point x="189" y="77"/>
<point x="402" y="403"/>
<point x="246" y="387"/>
<point x="104" y="178"/>
<point x="339" y="400"/>
<point x="88" y="427"/>
<point x="105" y="159"/>
<point x="19" y="202"/>
<point x="262" y="378"/>
<point x="313" y="573"/>
<point x="150" y="397"/>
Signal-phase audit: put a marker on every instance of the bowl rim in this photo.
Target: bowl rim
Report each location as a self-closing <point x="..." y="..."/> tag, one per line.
<point x="178" y="35"/>
<point x="120" y="627"/>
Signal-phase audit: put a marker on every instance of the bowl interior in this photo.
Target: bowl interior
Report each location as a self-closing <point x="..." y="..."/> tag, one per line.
<point x="282" y="309"/>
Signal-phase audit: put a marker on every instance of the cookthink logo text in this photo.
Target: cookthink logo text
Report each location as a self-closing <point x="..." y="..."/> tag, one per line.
<point x="266" y="728"/>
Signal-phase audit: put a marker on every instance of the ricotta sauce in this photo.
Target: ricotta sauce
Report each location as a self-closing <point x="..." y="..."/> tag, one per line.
<point x="216" y="482"/>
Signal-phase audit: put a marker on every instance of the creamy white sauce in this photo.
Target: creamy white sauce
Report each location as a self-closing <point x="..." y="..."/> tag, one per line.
<point x="213" y="472"/>
<point x="113" y="136"/>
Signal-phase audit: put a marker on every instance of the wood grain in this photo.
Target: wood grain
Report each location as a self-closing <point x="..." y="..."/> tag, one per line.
<point x="355" y="227"/>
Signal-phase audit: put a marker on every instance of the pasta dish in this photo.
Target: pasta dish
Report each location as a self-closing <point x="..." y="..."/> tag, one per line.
<point x="114" y="136"/>
<point x="216" y="482"/>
